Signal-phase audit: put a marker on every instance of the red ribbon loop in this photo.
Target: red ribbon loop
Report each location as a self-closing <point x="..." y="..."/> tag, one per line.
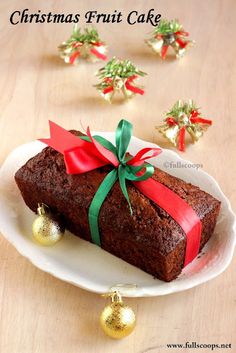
<point x="182" y="33"/>
<point x="104" y="152"/>
<point x="108" y="90"/>
<point x="79" y="160"/>
<point x="194" y="118"/>
<point x="164" y="51"/>
<point x="131" y="88"/>
<point x="140" y="157"/>
<point x="171" y="121"/>
<point x="98" y="54"/>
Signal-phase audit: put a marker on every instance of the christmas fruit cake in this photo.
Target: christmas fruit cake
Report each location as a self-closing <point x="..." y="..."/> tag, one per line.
<point x="148" y="239"/>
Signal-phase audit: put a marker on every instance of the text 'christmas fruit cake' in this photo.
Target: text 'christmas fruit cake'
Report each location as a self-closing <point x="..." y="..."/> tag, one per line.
<point x="149" y="239"/>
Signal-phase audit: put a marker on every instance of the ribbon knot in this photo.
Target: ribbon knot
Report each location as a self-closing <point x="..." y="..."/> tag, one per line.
<point x="132" y="169"/>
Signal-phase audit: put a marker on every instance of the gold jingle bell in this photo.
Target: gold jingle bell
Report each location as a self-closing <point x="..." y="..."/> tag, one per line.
<point x="117" y="319"/>
<point x="46" y="229"/>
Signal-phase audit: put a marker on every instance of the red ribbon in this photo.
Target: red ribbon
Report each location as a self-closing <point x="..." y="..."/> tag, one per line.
<point x="181" y="43"/>
<point x="182" y="139"/>
<point x="133" y="88"/>
<point x="83" y="156"/>
<point x="194" y="119"/>
<point x="179" y="210"/>
<point x="182" y="33"/>
<point x="127" y="84"/>
<point x="94" y="51"/>
<point x="74" y="56"/>
<point x="164" y="51"/>
<point x="178" y="39"/>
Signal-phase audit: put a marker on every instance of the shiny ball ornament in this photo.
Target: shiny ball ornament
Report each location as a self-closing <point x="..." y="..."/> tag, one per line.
<point x="46" y="228"/>
<point x="117" y="319"/>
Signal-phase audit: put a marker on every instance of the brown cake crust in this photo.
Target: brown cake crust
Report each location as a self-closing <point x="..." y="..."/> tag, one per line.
<point x="149" y="239"/>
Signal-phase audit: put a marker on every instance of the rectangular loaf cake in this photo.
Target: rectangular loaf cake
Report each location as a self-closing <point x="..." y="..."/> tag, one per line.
<point x="149" y="239"/>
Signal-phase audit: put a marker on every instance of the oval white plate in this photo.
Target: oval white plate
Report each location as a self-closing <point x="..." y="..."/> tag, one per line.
<point x="86" y="265"/>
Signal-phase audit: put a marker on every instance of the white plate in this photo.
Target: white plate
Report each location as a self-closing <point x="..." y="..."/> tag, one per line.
<point x="85" y="265"/>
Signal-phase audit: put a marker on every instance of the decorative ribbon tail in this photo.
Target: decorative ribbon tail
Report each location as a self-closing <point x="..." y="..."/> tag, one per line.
<point x="73" y="57"/>
<point x="201" y="120"/>
<point x="181" y="43"/>
<point x="179" y="210"/>
<point x="122" y="179"/>
<point x="98" y="54"/>
<point x="164" y="51"/>
<point x="61" y="139"/>
<point x="97" y="202"/>
<point x="193" y="239"/>
<point x="134" y="89"/>
<point x="181" y="144"/>
<point x="131" y="88"/>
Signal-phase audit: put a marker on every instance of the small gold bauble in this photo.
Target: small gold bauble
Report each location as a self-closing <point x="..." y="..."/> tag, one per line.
<point x="46" y="229"/>
<point x="117" y="319"/>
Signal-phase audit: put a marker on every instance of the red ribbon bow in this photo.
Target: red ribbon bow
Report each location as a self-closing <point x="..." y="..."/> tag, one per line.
<point x="93" y="50"/>
<point x="127" y="84"/>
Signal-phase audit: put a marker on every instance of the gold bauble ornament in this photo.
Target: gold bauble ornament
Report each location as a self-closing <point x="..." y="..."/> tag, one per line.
<point x="46" y="229"/>
<point x="117" y="319"/>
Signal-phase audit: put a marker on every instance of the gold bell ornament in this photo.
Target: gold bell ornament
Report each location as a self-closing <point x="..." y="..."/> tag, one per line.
<point x="119" y="77"/>
<point x="117" y="319"/>
<point x="47" y="229"/>
<point x="83" y="44"/>
<point x="181" y="118"/>
<point x="169" y="34"/>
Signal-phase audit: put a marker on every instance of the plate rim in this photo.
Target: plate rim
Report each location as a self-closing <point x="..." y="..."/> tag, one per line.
<point x="139" y="292"/>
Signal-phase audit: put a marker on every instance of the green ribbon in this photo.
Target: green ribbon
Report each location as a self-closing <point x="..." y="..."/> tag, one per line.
<point x="123" y="172"/>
